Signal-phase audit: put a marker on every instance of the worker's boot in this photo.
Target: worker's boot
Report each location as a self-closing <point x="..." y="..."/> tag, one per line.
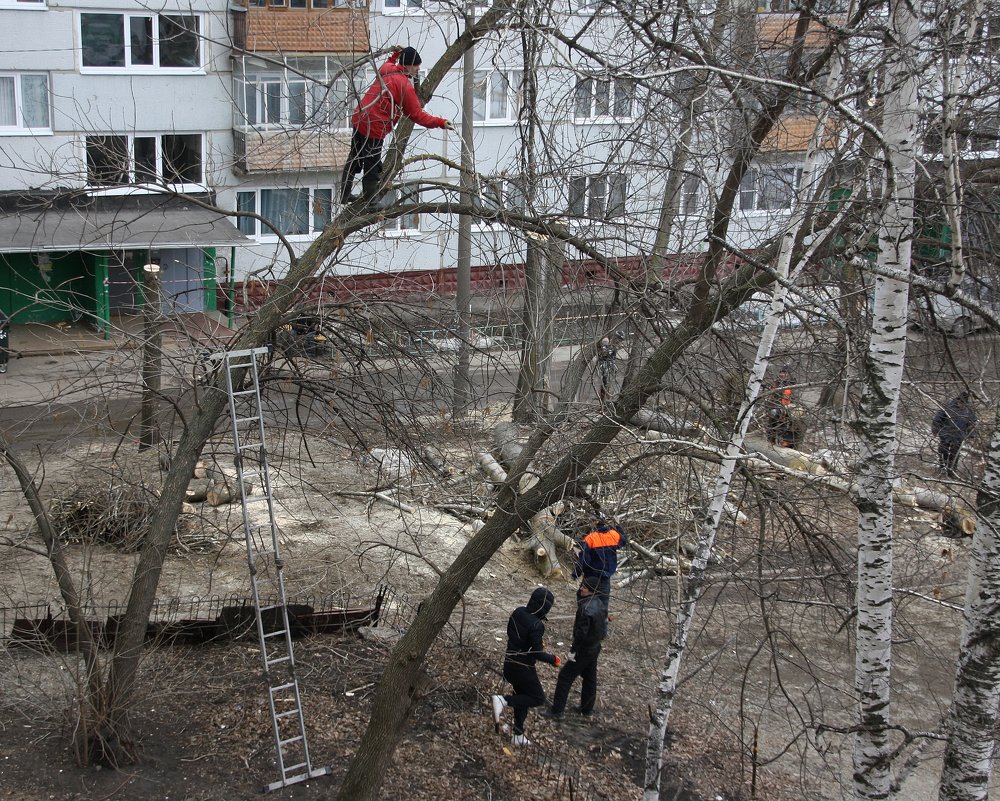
<point x="374" y="192"/>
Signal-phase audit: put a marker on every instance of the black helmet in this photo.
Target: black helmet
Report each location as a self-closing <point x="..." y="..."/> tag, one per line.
<point x="540" y="602"/>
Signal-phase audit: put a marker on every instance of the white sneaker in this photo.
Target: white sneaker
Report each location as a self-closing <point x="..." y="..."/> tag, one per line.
<point x="520" y="739"/>
<point x="499" y="705"/>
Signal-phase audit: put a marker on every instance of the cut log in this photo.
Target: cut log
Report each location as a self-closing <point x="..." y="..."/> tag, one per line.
<point x="200" y="469"/>
<point x="197" y="490"/>
<point x="665" y="423"/>
<point x="219" y="493"/>
<point x="491" y="468"/>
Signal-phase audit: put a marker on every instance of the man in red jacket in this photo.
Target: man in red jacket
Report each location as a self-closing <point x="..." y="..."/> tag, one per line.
<point x="390" y="97"/>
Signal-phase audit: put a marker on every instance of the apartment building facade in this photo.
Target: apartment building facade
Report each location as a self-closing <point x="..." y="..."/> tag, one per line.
<point x="246" y="108"/>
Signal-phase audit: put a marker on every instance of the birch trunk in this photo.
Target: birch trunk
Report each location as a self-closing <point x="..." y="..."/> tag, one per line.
<point x="972" y="722"/>
<point x="877" y="417"/>
<point x="717" y="503"/>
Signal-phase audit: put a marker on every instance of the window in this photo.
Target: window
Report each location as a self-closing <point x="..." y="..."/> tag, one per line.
<point x="496" y="96"/>
<point x="24" y="103"/>
<point x="162" y="159"/>
<point x="690" y="195"/>
<point x="32" y="4"/>
<point x="603" y="98"/>
<point x="976" y="133"/>
<point x="141" y="41"/>
<point x="769" y="188"/>
<point x="305" y="95"/>
<point x="402" y="6"/>
<point x="498" y="195"/>
<point x="597" y="197"/>
<point x="294" y="212"/>
<point x="405" y="222"/>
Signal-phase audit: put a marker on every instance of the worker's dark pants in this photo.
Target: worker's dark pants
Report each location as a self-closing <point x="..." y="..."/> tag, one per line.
<point x="4" y="347"/>
<point x="585" y="665"/>
<point x="365" y="157"/>
<point x="948" y="453"/>
<point x="527" y="693"/>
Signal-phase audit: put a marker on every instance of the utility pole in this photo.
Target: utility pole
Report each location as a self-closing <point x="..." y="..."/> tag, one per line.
<point x="149" y="433"/>
<point x="463" y="294"/>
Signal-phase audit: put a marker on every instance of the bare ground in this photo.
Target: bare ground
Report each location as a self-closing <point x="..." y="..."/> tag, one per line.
<point x="755" y="670"/>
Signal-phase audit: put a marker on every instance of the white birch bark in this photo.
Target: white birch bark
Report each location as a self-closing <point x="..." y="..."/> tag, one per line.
<point x="972" y="721"/>
<point x="877" y="417"/>
<point x="710" y="524"/>
<point x="961" y="29"/>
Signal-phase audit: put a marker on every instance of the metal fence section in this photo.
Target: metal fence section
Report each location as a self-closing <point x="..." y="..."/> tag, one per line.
<point x="195" y="619"/>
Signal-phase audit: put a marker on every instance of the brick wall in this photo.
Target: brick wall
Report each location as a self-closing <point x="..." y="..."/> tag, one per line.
<point x="300" y="30"/>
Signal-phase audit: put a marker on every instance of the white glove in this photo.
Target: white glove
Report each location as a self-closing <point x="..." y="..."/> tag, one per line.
<point x="572" y="656"/>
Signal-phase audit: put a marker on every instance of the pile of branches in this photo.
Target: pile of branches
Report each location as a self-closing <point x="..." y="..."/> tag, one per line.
<point x="118" y="515"/>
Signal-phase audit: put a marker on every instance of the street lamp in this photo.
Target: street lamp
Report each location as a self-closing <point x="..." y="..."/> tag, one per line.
<point x="149" y="433"/>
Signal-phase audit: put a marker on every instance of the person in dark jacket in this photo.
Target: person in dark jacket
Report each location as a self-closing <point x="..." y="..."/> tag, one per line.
<point x="598" y="557"/>
<point x="525" y="630"/>
<point x="390" y="97"/>
<point x="590" y="627"/>
<point x="4" y="341"/>
<point x="953" y="424"/>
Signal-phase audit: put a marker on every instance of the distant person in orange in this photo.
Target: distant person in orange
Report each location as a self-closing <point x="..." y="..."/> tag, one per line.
<point x="778" y="409"/>
<point x="390" y="97"/>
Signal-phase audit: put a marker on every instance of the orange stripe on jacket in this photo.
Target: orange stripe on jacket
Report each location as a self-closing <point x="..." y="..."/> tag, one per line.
<point x="603" y="539"/>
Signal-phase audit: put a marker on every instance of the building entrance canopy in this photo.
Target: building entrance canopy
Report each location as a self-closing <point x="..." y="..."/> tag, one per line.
<point x="61" y="222"/>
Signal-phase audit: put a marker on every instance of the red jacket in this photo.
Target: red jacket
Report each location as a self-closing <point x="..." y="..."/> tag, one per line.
<point x="390" y="97"/>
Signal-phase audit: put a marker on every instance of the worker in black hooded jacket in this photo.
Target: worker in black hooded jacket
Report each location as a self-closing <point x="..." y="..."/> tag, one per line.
<point x="590" y="627"/>
<point x="525" y="630"/>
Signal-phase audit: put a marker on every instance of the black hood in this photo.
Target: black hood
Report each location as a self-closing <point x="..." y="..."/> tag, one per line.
<point x="540" y="602"/>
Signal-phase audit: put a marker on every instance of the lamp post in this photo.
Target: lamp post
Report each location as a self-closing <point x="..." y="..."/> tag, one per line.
<point x="149" y="433"/>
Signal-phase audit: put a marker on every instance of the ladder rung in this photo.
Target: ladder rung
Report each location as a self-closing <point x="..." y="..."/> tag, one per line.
<point x="256" y="445"/>
<point x="288" y="714"/>
<point x="275" y="633"/>
<point x="240" y="420"/>
<point x="282" y="687"/>
<point x="278" y="661"/>
<point x="294" y="739"/>
<point x="290" y="768"/>
<point x="239" y="393"/>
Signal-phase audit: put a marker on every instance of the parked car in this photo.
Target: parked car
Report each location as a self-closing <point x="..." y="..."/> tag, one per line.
<point x="930" y="312"/>
<point x="814" y="306"/>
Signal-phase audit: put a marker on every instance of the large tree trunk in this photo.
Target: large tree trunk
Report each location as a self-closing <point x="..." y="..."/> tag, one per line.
<point x="142" y="593"/>
<point x="399" y="687"/>
<point x="877" y="419"/>
<point x="972" y="722"/>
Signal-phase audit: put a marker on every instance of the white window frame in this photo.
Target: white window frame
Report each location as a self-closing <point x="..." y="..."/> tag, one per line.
<point x="615" y="86"/>
<point x="597" y="195"/>
<point x="25" y="5"/>
<point x="318" y="110"/>
<point x="399" y="8"/>
<point x="19" y="128"/>
<point x="405" y="224"/>
<point x="752" y="190"/>
<point x="133" y="184"/>
<point x="263" y="233"/>
<point x="129" y="66"/>
<point x="690" y="195"/>
<point x="512" y="82"/>
<point x="500" y="194"/>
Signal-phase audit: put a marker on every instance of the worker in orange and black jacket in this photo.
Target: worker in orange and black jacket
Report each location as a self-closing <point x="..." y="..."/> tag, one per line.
<point x="598" y="556"/>
<point x="778" y="404"/>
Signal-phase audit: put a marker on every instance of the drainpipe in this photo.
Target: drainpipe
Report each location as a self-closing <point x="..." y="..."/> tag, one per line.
<point x="149" y="433"/>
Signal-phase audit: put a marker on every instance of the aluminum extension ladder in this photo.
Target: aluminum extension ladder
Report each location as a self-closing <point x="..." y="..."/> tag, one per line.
<point x="265" y="564"/>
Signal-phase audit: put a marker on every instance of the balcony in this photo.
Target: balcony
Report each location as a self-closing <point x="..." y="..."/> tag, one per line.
<point x="301" y="27"/>
<point x="300" y="150"/>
